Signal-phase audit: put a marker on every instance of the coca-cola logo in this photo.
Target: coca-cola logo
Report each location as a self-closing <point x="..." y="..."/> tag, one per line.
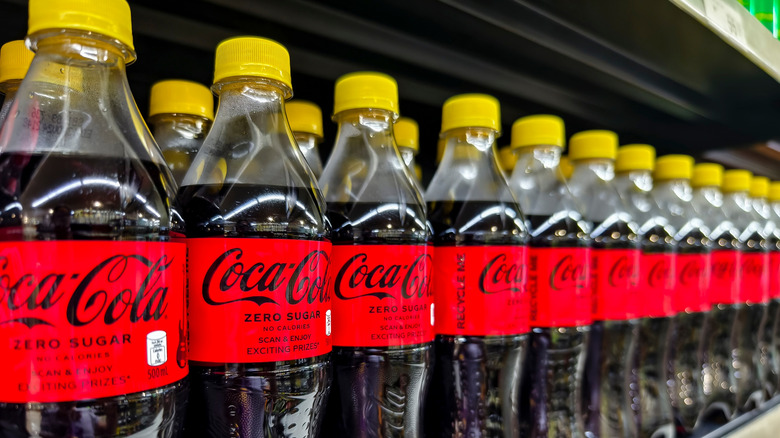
<point x="568" y="273"/>
<point x="659" y="274"/>
<point x="623" y="272"/>
<point x="752" y="267"/>
<point x="359" y="277"/>
<point x="501" y="276"/>
<point x="691" y="273"/>
<point x="230" y="280"/>
<point x="724" y="269"/>
<point x="101" y="294"/>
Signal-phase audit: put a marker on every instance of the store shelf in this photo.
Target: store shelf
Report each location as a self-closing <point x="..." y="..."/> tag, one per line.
<point x="762" y="422"/>
<point x="672" y="73"/>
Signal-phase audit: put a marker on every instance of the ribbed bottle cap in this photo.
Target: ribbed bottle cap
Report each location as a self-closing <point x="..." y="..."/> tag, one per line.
<point x="106" y="17"/>
<point x="538" y="130"/>
<point x="365" y="90"/>
<point x="407" y="133"/>
<point x="176" y="96"/>
<point x="759" y="187"/>
<point x="593" y="144"/>
<point x="635" y="157"/>
<point x="252" y="56"/>
<point x="774" y="192"/>
<point x="673" y="167"/>
<point x="471" y="111"/>
<point x="15" y="59"/>
<point x="707" y="175"/>
<point x="304" y="116"/>
<point x="736" y="180"/>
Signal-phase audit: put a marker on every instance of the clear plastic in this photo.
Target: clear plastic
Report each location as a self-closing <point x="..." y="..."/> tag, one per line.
<point x="372" y="201"/>
<point x="408" y="155"/>
<point x="179" y="137"/>
<point x="686" y="359"/>
<point x="651" y="400"/>
<point x="308" y="144"/>
<point x="250" y="180"/>
<point x="78" y="163"/>
<point x="9" y="89"/>
<point x="610" y="370"/>
<point x="767" y="374"/>
<point x="551" y="388"/>
<point x="476" y="379"/>
<point x="773" y="311"/>
<point x="719" y="373"/>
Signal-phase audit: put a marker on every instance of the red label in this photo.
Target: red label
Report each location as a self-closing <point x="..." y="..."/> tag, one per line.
<point x="560" y="287"/>
<point x="616" y="283"/>
<point x="258" y="300"/>
<point x="693" y="281"/>
<point x="480" y="290"/>
<point x="382" y="295"/>
<point x="86" y="319"/>
<point x="656" y="284"/>
<point x="725" y="285"/>
<point x="755" y="277"/>
<point x="774" y="275"/>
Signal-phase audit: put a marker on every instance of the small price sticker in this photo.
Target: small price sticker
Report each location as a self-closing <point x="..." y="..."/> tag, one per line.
<point x="725" y="18"/>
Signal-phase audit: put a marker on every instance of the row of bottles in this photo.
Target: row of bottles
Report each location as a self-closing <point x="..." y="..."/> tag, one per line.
<point x="226" y="283"/>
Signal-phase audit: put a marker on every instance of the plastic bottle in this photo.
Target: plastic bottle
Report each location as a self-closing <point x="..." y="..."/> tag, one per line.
<point x="717" y="373"/>
<point x="558" y="281"/>
<point x="507" y="160"/>
<point x="96" y="306"/>
<point x="773" y="312"/>
<point x="407" y="136"/>
<point x="306" y="122"/>
<point x="180" y="115"/>
<point x="757" y="274"/>
<point x="258" y="259"/>
<point x="15" y="59"/>
<point x="566" y="168"/>
<point x="674" y="194"/>
<point x="381" y="265"/>
<point x="480" y="273"/>
<point x="750" y="308"/>
<point x="609" y="368"/>
<point x="634" y="166"/>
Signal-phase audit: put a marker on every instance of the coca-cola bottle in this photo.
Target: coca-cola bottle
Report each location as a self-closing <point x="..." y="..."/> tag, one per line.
<point x="15" y="59"/>
<point x="558" y="282"/>
<point x="757" y="275"/>
<point x="381" y="266"/>
<point x="480" y="270"/>
<point x="634" y="166"/>
<point x="93" y="310"/>
<point x="773" y="311"/>
<point x="407" y="137"/>
<point x="180" y="115"/>
<point x="614" y="270"/>
<point x="258" y="259"/>
<point x="306" y="122"/>
<point x="717" y="372"/>
<point x="674" y="194"/>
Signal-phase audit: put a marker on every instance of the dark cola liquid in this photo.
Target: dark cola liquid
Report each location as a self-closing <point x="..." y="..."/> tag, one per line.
<point x="377" y="391"/>
<point x="476" y="379"/>
<point x="72" y="197"/>
<point x="268" y="399"/>
<point x="551" y="388"/>
<point x="609" y="371"/>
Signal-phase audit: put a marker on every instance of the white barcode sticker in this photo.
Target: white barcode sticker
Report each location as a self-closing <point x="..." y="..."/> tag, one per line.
<point x="725" y="18"/>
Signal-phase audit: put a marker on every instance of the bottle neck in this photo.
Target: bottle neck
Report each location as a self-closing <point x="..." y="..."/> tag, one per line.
<point x="593" y="169"/>
<point x="634" y="181"/>
<point x="306" y="141"/>
<point x="710" y="194"/>
<point x="536" y="158"/>
<point x="9" y="89"/>
<point x="184" y="126"/>
<point x="674" y="188"/>
<point x="407" y="154"/>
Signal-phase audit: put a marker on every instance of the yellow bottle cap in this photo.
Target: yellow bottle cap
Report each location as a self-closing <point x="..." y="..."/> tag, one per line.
<point x="253" y="56"/>
<point x="365" y="89"/>
<point x="593" y="144"/>
<point x="471" y="111"/>
<point x="566" y="167"/>
<point x="759" y="187"/>
<point x="15" y="59"/>
<point x="538" y="130"/>
<point x="635" y="157"/>
<point x="175" y="96"/>
<point x="407" y="134"/>
<point x="707" y="175"/>
<point x="418" y="172"/>
<point x="673" y="167"/>
<point x="304" y="116"/>
<point x="507" y="159"/>
<point x="736" y="181"/>
<point x="441" y="145"/>
<point x="774" y="192"/>
<point x="106" y="17"/>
